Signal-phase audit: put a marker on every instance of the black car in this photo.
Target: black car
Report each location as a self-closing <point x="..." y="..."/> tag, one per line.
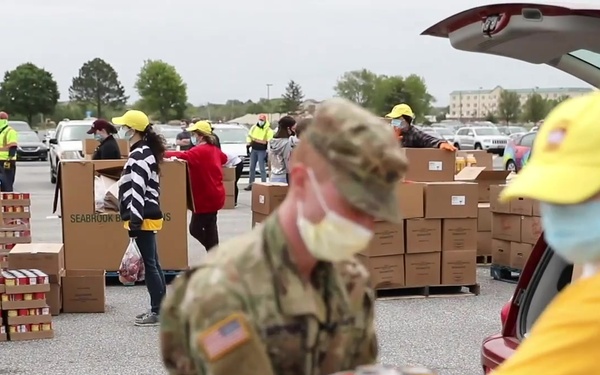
<point x="30" y="147"/>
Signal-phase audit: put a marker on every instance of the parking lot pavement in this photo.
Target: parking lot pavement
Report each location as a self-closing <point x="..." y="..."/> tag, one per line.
<point x="443" y="333"/>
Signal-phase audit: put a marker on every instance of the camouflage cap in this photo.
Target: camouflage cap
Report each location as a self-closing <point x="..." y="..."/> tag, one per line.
<point x="366" y="158"/>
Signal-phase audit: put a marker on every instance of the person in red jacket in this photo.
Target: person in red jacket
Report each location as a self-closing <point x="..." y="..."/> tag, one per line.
<point x="204" y="161"/>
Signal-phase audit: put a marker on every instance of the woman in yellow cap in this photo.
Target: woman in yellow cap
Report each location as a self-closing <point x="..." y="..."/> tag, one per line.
<point x="139" y="196"/>
<point x="205" y="161"/>
<point x="563" y="174"/>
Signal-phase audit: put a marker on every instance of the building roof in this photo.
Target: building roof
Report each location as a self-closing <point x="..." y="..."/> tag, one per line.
<point x="540" y="90"/>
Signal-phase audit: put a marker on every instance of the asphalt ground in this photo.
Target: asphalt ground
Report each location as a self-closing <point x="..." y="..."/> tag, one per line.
<point x="441" y="333"/>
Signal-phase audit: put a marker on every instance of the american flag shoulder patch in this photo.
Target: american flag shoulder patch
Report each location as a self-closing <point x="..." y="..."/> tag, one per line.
<point x="224" y="337"/>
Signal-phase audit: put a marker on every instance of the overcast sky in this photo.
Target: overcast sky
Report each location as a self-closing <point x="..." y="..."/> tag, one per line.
<point x="230" y="49"/>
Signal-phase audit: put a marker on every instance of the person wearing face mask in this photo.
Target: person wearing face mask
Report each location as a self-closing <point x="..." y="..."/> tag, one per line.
<point x="184" y="139"/>
<point x="139" y="202"/>
<point x="563" y="175"/>
<point x="290" y="297"/>
<point x="108" y="148"/>
<point x="280" y="148"/>
<point x="401" y="118"/>
<point x="205" y="161"/>
<point x="258" y="137"/>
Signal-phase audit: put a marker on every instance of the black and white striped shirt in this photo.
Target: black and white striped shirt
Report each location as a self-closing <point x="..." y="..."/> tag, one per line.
<point x="139" y="190"/>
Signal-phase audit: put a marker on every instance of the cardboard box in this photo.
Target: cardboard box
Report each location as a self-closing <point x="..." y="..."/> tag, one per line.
<point x="388" y="240"/>
<point x="459" y="267"/>
<point x="422" y="269"/>
<point x="451" y="200"/>
<point x="46" y="257"/>
<point x="501" y="252"/>
<point x="484" y="217"/>
<point x="459" y="234"/>
<point x="411" y="197"/>
<point x="267" y="196"/>
<point x="506" y="227"/>
<point x="495" y="205"/>
<point x="484" y="243"/>
<point x="519" y="253"/>
<point x="54" y="299"/>
<point x="531" y="229"/>
<point x="483" y="178"/>
<point x="258" y="218"/>
<point x="90" y="145"/>
<point x="386" y="272"/>
<point x="535" y="210"/>
<point x="97" y="240"/>
<point x="84" y="291"/>
<point x="482" y="157"/>
<point x="229" y="188"/>
<point x="423" y="235"/>
<point x="429" y="164"/>
<point x="229" y="203"/>
<point x="228" y="174"/>
<point x="521" y="206"/>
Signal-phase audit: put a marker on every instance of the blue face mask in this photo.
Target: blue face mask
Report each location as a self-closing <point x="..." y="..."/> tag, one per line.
<point x="126" y="133"/>
<point x="397" y="123"/>
<point x="98" y="137"/>
<point x="573" y="231"/>
<point x="194" y="140"/>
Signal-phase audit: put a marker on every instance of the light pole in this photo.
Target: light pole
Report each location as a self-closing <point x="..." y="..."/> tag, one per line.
<point x="269" y="98"/>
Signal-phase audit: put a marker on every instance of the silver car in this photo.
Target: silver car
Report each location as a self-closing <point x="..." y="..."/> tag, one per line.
<point x="481" y="138"/>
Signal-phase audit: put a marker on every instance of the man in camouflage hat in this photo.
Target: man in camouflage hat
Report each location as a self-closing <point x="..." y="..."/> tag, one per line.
<point x="290" y="298"/>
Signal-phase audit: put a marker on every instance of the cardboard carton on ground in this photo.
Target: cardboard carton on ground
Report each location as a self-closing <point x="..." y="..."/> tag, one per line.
<point x="484" y="179"/>
<point x="84" y="291"/>
<point x="429" y="164"/>
<point x="386" y="272"/>
<point x="98" y="240"/>
<point x="422" y="269"/>
<point x="459" y="267"/>
<point x="267" y="196"/>
<point x="90" y="145"/>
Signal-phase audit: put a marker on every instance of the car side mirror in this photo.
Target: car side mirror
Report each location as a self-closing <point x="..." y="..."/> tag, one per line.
<point x="53" y="141"/>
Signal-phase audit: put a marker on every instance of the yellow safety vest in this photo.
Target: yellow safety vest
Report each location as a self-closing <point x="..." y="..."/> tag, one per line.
<point x="7" y="136"/>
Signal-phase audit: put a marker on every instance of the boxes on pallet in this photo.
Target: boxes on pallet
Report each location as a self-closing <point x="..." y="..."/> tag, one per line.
<point x="384" y="257"/>
<point x="25" y="311"/>
<point x="483" y="178"/>
<point x="266" y="197"/>
<point x="229" y="184"/>
<point x="429" y="164"/>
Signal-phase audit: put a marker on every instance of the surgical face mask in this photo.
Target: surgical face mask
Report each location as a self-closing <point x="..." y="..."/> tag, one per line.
<point x="126" y="133"/>
<point x="194" y="140"/>
<point x="334" y="238"/>
<point x="573" y="231"/>
<point x="399" y="123"/>
<point x="261" y="123"/>
<point x="98" y="137"/>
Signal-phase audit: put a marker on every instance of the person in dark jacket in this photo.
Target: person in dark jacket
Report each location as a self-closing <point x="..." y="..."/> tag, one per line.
<point x="402" y="117"/>
<point x="108" y="148"/>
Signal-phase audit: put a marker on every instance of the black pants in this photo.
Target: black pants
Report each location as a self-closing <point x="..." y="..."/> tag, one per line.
<point x="203" y="227"/>
<point x="8" y="171"/>
<point x="238" y="173"/>
<point x="155" y="277"/>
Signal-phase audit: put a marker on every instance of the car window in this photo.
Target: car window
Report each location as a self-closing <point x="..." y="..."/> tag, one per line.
<point x="74" y="133"/>
<point x="587" y="56"/>
<point x="19" y="126"/>
<point x="488" y="131"/>
<point x="527" y="140"/>
<point x="444" y="131"/>
<point x="231" y="135"/>
<point x="28" y="137"/>
<point x="462" y="132"/>
<point x="470" y="133"/>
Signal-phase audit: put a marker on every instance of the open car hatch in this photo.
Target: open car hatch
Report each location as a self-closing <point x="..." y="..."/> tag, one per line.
<point x="563" y="36"/>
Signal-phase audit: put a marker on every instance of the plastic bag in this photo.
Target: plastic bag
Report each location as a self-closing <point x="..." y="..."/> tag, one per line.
<point x="131" y="269"/>
<point x="99" y="194"/>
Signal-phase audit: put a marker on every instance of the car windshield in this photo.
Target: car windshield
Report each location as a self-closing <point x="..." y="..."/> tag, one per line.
<point x="444" y="131"/>
<point x="231" y="135"/>
<point x="589" y="57"/>
<point x="19" y="126"/>
<point x="169" y="132"/>
<point x="75" y="133"/>
<point x="28" y="137"/>
<point x="487" y="131"/>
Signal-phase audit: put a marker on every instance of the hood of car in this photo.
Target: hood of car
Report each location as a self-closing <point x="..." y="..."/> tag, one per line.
<point x="31" y="144"/>
<point x="555" y="35"/>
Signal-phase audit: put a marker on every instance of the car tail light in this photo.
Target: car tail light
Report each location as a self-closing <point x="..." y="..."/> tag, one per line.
<point x="504" y="313"/>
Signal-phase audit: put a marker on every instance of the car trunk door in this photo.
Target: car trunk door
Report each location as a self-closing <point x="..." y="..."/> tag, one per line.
<point x="564" y="37"/>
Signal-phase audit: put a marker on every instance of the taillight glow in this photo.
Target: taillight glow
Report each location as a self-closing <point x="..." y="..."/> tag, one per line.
<point x="504" y="313"/>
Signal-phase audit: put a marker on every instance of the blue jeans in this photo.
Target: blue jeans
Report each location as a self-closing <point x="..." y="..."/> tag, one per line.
<point x="260" y="157"/>
<point x="155" y="277"/>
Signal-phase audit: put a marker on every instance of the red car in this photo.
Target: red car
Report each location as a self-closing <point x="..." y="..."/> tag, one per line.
<point x="558" y="36"/>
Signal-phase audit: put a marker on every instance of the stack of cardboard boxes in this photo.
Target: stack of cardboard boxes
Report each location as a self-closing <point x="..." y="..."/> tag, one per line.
<point x="15" y="228"/>
<point x="266" y="197"/>
<point x="516" y="227"/>
<point x="25" y="313"/>
<point x="229" y="183"/>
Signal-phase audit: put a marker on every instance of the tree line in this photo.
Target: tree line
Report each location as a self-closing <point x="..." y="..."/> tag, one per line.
<point x="534" y="109"/>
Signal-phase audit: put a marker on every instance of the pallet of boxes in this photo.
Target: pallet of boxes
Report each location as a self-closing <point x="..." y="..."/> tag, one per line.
<point x="516" y="227"/>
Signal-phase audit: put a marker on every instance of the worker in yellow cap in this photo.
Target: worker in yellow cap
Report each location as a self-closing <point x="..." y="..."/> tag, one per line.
<point x="401" y="118"/>
<point x="563" y="174"/>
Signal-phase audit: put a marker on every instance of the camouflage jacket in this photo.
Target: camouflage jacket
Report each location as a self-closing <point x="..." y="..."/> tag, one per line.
<point x="416" y="138"/>
<point x="246" y="311"/>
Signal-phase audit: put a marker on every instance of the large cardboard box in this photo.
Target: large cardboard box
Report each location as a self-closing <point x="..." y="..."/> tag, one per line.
<point x="501" y="252"/>
<point x="519" y="253"/>
<point x="46" y="257"/>
<point x="459" y="267"/>
<point x="484" y="217"/>
<point x="267" y="196"/>
<point x="484" y="243"/>
<point x="459" y="234"/>
<point x="483" y="178"/>
<point x="531" y="229"/>
<point x="423" y="235"/>
<point x="495" y="205"/>
<point x="95" y="240"/>
<point x="386" y="272"/>
<point x="228" y="174"/>
<point x="229" y="194"/>
<point x="521" y="206"/>
<point x="422" y="269"/>
<point x="411" y="197"/>
<point x="90" y="145"/>
<point x="388" y="240"/>
<point x="54" y="299"/>
<point x="451" y="200"/>
<point x="84" y="291"/>
<point x="429" y="164"/>
<point x="506" y="227"/>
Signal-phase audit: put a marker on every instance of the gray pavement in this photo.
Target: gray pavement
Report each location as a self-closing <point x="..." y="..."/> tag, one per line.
<point x="443" y="333"/>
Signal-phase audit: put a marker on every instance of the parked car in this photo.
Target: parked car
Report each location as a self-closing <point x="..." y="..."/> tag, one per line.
<point x="508" y="130"/>
<point x="30" y="147"/>
<point x="518" y="151"/>
<point x="480" y="138"/>
<point x="67" y="143"/>
<point x="169" y="132"/>
<point x="20" y="126"/>
<point x="445" y="133"/>
<point x="530" y="33"/>
<point x="233" y="141"/>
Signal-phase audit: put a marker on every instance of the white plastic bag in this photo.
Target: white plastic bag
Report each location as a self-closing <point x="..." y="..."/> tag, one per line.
<point x="131" y="269"/>
<point x="99" y="194"/>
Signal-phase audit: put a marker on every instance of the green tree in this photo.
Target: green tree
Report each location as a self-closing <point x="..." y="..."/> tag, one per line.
<point x="358" y="86"/>
<point x="98" y="85"/>
<point x="29" y="91"/>
<point x="292" y="99"/>
<point x="394" y="90"/>
<point x="535" y="108"/>
<point x="509" y="106"/>
<point x="491" y="117"/>
<point x="256" y="108"/>
<point x="162" y="89"/>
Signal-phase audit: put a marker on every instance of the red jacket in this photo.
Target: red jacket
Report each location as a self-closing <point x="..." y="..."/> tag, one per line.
<point x="206" y="176"/>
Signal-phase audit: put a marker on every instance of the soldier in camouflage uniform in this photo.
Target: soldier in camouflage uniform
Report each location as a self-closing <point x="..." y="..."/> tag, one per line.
<point x="290" y="298"/>
<point x="401" y="118"/>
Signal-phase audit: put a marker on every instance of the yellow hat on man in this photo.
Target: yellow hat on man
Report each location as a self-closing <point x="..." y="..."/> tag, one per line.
<point x="400" y="110"/>
<point x="201" y="126"/>
<point x="565" y="159"/>
<point x="133" y="119"/>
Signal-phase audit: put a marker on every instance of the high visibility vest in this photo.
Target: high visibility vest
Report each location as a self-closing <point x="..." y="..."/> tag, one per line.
<point x="8" y="135"/>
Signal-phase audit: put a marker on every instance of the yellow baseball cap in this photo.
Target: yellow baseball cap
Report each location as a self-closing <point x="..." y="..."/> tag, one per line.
<point x="201" y="126"/>
<point x="134" y="119"/>
<point x="400" y="110"/>
<point x="565" y="161"/>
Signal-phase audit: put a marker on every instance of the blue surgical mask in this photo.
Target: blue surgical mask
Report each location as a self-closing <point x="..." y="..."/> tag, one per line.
<point x="573" y="231"/>
<point x="397" y="123"/>
<point x="194" y="140"/>
<point x="98" y="137"/>
<point x="126" y="133"/>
